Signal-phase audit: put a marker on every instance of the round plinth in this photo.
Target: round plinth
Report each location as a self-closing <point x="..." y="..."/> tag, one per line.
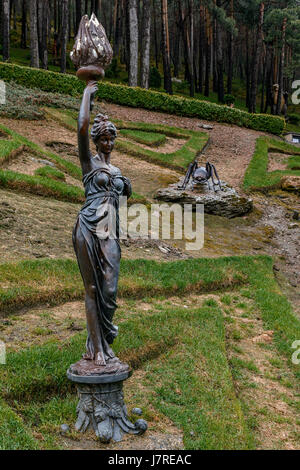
<point x="98" y="379"/>
<point x="101" y="401"/>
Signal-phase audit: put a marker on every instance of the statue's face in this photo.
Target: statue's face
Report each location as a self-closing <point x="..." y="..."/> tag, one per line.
<point x="105" y="143"/>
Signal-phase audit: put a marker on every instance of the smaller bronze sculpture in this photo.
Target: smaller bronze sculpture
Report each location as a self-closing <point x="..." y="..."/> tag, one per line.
<point x="201" y="175"/>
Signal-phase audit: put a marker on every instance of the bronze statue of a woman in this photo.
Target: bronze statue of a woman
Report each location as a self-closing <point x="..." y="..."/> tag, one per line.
<point x="98" y="257"/>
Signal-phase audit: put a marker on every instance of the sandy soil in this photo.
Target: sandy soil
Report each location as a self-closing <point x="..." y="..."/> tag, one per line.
<point x="25" y="163"/>
<point x="277" y="161"/>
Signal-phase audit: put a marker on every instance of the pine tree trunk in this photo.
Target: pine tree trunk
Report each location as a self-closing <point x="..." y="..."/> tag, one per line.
<point x="55" y="14"/>
<point x="176" y="49"/>
<point x="166" y="47"/>
<point x="118" y="29"/>
<point x="208" y="53"/>
<point x="230" y="55"/>
<point x="214" y="56"/>
<point x="14" y="12"/>
<point x="257" y="55"/>
<point x="34" y="40"/>
<point x="134" y="43"/>
<point x="155" y="38"/>
<point x="146" y="35"/>
<point x="44" y="41"/>
<point x="262" y="101"/>
<point x="219" y="41"/>
<point x="6" y="30"/>
<point x="248" y="81"/>
<point x="64" y="35"/>
<point x="24" y="25"/>
<point x="191" y="49"/>
<point x="281" y="68"/>
<point x="201" y="49"/>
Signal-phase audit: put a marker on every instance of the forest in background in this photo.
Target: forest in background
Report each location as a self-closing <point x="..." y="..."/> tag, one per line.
<point x="199" y="47"/>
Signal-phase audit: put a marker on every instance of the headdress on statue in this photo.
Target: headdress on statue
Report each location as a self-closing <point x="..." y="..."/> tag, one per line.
<point x="102" y="125"/>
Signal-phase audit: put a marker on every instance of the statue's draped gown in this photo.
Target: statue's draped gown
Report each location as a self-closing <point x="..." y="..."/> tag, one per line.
<point x="102" y="190"/>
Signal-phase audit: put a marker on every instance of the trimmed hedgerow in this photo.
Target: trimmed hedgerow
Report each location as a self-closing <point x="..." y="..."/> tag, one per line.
<point x="49" y="172"/>
<point x="147" y="138"/>
<point x="41" y="186"/>
<point x="257" y="176"/>
<point x="142" y="98"/>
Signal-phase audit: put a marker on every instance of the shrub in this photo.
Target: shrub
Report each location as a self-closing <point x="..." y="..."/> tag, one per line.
<point x="27" y="103"/>
<point x="229" y="99"/>
<point x="294" y="119"/>
<point x="155" y="78"/>
<point x="139" y="97"/>
<point x="181" y="87"/>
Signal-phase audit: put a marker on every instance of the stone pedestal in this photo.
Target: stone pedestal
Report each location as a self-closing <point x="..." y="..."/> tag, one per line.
<point x="225" y="203"/>
<point x="101" y="404"/>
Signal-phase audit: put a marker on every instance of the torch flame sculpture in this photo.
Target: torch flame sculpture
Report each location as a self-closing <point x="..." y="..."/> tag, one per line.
<point x="92" y="52"/>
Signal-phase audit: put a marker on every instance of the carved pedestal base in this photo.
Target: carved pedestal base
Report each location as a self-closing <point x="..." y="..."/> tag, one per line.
<point x="101" y="404"/>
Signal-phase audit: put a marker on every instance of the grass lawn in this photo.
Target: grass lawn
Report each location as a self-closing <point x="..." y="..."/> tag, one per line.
<point x="142" y="137"/>
<point x="181" y="352"/>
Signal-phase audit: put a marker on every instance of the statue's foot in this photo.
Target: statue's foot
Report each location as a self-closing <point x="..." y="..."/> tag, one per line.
<point x="99" y="359"/>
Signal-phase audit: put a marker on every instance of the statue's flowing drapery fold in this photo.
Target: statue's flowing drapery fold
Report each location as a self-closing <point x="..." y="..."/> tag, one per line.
<point x="104" y="254"/>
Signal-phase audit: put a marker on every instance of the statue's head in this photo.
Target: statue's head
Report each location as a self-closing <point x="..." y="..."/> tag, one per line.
<point x="104" y="134"/>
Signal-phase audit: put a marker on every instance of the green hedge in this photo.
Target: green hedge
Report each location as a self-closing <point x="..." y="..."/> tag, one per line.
<point x="141" y="98"/>
<point x="257" y="176"/>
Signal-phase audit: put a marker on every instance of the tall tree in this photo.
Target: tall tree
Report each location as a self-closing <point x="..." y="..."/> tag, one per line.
<point x="190" y="42"/>
<point x="64" y="34"/>
<point x="6" y="30"/>
<point x="281" y="67"/>
<point x="134" y="43"/>
<point x="34" y="40"/>
<point x="78" y="13"/>
<point x="219" y="51"/>
<point x="257" y="57"/>
<point x="208" y="53"/>
<point x="166" y="47"/>
<point x="230" y="52"/>
<point x="24" y="25"/>
<point x="43" y="18"/>
<point x="146" y="36"/>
